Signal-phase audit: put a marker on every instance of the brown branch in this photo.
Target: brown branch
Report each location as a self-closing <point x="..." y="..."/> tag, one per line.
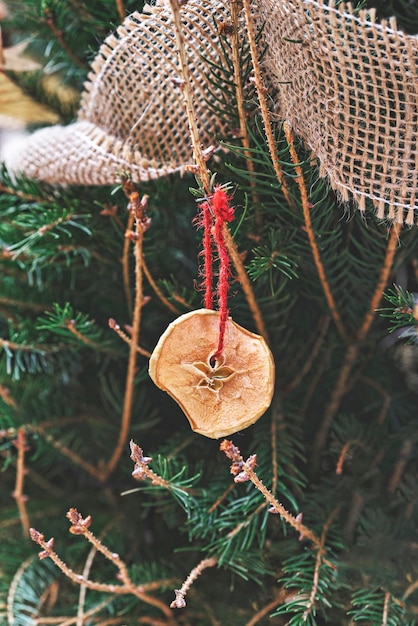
<point x="203" y="172"/>
<point x="386" y="603"/>
<point x="318" y="563"/>
<point x="392" y="246"/>
<point x="157" y="290"/>
<point x="121" y="10"/>
<point x="6" y="397"/>
<point x="261" y="93"/>
<point x="340" y="388"/>
<point x="125" y="262"/>
<point x="279" y="599"/>
<point x="23" y="304"/>
<point x="115" y="326"/>
<point x="178" y="298"/>
<point x="387" y="398"/>
<point x="306" y="206"/>
<point x="70" y="325"/>
<point x="49" y="21"/>
<point x="404" y="456"/>
<point x="142" y="471"/>
<point x="70" y="454"/>
<point x="246" y="522"/>
<point x="83" y="590"/>
<point x="69" y="621"/>
<point x="221" y="498"/>
<point x="245" y="283"/>
<point x="80" y="526"/>
<point x="244" y="471"/>
<point x="180" y="602"/>
<point x="239" y="91"/>
<point x="186" y="87"/>
<point x="23" y="196"/>
<point x="20" y="443"/>
<point x="313" y="352"/>
<point x="343" y="455"/>
<point x="138" y="207"/>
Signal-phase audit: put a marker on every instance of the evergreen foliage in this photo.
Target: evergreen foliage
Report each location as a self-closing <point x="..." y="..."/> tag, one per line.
<point x="337" y="449"/>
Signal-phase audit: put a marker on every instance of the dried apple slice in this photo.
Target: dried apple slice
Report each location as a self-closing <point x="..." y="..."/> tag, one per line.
<point x="219" y="396"/>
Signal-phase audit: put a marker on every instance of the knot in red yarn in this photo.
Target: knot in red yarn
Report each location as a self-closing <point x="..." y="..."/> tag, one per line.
<point x="220" y="205"/>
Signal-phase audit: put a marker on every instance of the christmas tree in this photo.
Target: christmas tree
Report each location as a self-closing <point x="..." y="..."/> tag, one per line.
<point x="188" y="229"/>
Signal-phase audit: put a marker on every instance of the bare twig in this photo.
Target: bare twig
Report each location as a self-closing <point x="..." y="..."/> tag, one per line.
<point x="243" y="130"/>
<point x="180" y="602"/>
<point x="387" y="265"/>
<point x="157" y="290"/>
<point x="306" y="206"/>
<point x="115" y="326"/>
<point x="138" y="207"/>
<point x="18" y="494"/>
<point x="121" y="10"/>
<point x="313" y="352"/>
<point x="80" y="526"/>
<point x="261" y="93"/>
<point x="125" y="262"/>
<point x="244" y="471"/>
<point x="279" y="599"/>
<point x="385" y="614"/>
<point x="245" y="283"/>
<point x="318" y="562"/>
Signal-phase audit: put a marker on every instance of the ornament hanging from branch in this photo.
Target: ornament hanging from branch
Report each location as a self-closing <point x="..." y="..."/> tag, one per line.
<point x="221" y="374"/>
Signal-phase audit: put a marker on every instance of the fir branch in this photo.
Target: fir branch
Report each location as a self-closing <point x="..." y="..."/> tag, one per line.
<point x="22" y="195"/>
<point x="311" y="235"/>
<point x="180" y="602"/>
<point x="340" y="387"/>
<point x="22" y="304"/>
<point x="21" y="445"/>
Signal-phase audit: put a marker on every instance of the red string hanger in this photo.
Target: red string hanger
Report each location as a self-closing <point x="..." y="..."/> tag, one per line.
<point x="224" y="390"/>
<point x="215" y="213"/>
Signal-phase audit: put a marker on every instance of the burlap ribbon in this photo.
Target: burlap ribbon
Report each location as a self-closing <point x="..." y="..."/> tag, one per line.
<point x="346" y="82"/>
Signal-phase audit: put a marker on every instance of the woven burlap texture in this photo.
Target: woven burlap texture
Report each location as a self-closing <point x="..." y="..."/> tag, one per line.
<point x="132" y="115"/>
<point x="348" y="85"/>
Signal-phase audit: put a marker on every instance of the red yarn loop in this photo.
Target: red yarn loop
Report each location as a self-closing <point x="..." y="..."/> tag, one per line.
<point x="215" y="213"/>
